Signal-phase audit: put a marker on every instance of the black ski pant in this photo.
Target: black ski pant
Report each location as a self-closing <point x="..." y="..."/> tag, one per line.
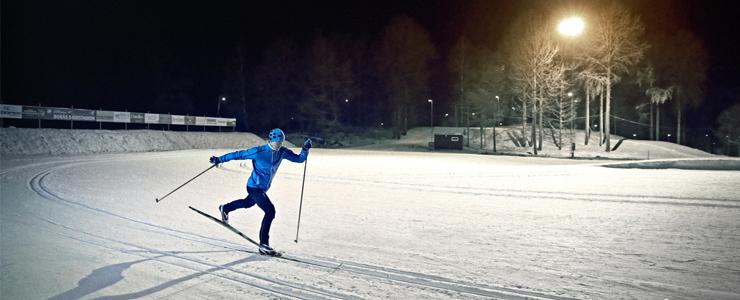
<point x="256" y="196"/>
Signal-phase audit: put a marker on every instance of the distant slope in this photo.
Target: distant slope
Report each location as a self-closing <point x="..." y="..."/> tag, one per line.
<point x="32" y="141"/>
<point x="507" y="142"/>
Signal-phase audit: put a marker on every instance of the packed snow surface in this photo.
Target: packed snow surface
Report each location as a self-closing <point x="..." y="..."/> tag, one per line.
<point x="375" y="224"/>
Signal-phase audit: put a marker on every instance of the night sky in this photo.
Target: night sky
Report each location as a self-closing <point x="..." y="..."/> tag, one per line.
<point x="98" y="54"/>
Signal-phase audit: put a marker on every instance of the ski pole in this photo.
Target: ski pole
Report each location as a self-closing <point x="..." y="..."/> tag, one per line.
<point x="303" y="184"/>
<point x="196" y="176"/>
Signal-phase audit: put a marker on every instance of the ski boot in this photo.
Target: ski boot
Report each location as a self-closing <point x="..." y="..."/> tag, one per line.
<point x="267" y="250"/>
<point x="224" y="215"/>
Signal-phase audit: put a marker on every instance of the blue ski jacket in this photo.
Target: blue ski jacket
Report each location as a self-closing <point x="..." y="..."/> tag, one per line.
<point x="265" y="163"/>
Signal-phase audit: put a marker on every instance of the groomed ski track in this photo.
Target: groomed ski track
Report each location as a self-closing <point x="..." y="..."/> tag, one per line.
<point x="190" y="258"/>
<point x="279" y="287"/>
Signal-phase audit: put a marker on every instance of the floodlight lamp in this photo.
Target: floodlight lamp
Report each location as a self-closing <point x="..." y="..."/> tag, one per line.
<point x="572" y="26"/>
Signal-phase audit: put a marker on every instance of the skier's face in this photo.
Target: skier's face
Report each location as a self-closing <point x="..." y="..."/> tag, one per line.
<point x="275" y="146"/>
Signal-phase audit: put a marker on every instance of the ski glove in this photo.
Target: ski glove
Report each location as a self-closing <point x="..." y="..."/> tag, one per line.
<point x="214" y="160"/>
<point x="307" y="144"/>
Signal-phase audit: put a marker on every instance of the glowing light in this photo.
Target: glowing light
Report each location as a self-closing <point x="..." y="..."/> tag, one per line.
<point x="572" y="26"/>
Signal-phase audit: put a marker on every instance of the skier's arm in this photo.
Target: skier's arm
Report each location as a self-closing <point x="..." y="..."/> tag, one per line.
<point x="250" y="153"/>
<point x="289" y="155"/>
<point x="297" y="158"/>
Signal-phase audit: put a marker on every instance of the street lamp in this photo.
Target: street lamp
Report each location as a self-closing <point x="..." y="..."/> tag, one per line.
<point x="218" y="109"/>
<point x="431" y="118"/>
<point x="572" y="26"/>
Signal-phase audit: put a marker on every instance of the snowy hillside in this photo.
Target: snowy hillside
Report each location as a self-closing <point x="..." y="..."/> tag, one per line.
<point x="31" y="141"/>
<point x="508" y="142"/>
<point x="643" y="154"/>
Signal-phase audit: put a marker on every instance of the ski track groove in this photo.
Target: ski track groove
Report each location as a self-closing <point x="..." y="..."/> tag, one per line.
<point x="36" y="184"/>
<point x="212" y="267"/>
<point x="595" y="197"/>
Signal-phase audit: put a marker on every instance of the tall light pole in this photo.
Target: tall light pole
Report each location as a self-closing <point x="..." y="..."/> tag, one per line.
<point x="572" y="27"/>
<point x="494" y="124"/>
<point x="572" y="117"/>
<point x="218" y="109"/>
<point x="431" y="118"/>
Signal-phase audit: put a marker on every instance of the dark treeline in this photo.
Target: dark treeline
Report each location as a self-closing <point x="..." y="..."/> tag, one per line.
<point x="331" y="82"/>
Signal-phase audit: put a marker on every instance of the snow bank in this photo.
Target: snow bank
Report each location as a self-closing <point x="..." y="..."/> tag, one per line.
<point x="718" y="163"/>
<point x="509" y="141"/>
<point x="32" y="141"/>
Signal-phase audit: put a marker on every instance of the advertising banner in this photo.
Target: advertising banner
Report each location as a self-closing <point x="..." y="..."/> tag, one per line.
<point x="151" y="118"/>
<point x="36" y="112"/>
<point x="64" y="114"/>
<point x="83" y="115"/>
<point x="11" y="111"/>
<point x="137" y="118"/>
<point x="104" y="116"/>
<point x="121" y="117"/>
<point x="178" y="120"/>
<point x="165" y="119"/>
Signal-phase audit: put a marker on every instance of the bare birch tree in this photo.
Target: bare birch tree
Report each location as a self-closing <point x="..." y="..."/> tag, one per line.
<point x="616" y="45"/>
<point x="593" y="84"/>
<point x="531" y="51"/>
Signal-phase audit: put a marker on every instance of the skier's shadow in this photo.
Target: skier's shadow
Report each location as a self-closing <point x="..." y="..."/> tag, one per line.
<point x="109" y="275"/>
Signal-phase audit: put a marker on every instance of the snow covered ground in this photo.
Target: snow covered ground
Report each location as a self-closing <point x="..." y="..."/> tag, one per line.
<point x="375" y="224"/>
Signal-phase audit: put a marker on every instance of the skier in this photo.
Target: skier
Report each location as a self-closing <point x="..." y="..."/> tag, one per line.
<point x="265" y="162"/>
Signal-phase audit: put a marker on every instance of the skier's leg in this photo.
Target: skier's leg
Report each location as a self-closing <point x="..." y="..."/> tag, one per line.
<point x="239" y="203"/>
<point x="266" y="205"/>
<point x="236" y="204"/>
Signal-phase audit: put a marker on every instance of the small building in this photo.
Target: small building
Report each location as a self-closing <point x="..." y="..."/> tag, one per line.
<point x="448" y="138"/>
